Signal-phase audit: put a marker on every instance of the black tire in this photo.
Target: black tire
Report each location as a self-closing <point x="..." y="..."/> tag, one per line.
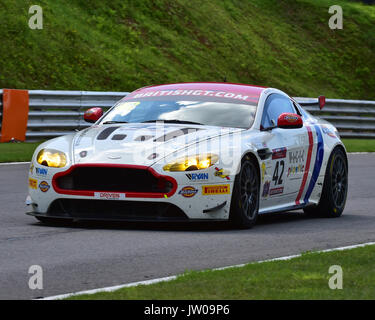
<point x="245" y="197"/>
<point x="335" y="188"/>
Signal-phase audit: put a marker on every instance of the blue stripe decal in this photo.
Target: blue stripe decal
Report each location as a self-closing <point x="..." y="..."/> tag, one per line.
<point x="318" y="163"/>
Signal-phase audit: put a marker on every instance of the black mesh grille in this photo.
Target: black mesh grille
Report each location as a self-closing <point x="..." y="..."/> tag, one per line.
<point x="113" y="179"/>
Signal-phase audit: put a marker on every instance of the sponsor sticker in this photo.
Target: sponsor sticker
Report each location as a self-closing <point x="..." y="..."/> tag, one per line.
<point x="188" y="192"/>
<point x="266" y="189"/>
<point x="41" y="171"/>
<point x="31" y="168"/>
<point x="33" y="184"/>
<point x="296" y="169"/>
<point x="275" y="191"/>
<point x="297" y="156"/>
<point x="328" y="132"/>
<point x="263" y="170"/>
<point x="222" y="173"/>
<point x="215" y="189"/>
<point x="197" y="176"/>
<point x="278" y="153"/>
<point x="44" y="186"/>
<point x="109" y="195"/>
<point x="207" y="93"/>
<point x="291" y="118"/>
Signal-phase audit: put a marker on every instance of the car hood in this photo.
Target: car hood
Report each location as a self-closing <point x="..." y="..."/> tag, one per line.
<point x="138" y="143"/>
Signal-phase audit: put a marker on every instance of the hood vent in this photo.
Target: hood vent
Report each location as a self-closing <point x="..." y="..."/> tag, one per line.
<point x="106" y="133"/>
<point x="143" y="138"/>
<point x="175" y="134"/>
<point x="119" y="137"/>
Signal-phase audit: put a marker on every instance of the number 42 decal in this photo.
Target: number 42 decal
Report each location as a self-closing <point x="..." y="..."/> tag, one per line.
<point x="276" y="176"/>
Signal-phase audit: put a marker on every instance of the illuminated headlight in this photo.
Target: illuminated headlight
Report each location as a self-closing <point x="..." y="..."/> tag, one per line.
<point x="51" y="158"/>
<point x="197" y="162"/>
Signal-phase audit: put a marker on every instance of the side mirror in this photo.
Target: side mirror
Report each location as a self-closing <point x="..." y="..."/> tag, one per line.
<point x="92" y="115"/>
<point x="289" y="121"/>
<point x="322" y="102"/>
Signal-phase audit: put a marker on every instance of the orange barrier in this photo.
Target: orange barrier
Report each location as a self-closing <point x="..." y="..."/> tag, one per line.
<point x="15" y="115"/>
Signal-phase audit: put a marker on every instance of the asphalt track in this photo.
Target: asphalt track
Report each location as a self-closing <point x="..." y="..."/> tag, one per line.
<point x="87" y="256"/>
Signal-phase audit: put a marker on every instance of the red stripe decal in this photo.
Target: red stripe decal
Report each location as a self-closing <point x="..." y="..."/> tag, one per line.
<point x="307" y="167"/>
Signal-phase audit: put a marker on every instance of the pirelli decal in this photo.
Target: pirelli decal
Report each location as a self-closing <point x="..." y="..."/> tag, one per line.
<point x="216" y="189"/>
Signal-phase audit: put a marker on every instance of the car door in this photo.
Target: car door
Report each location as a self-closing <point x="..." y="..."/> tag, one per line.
<point x="282" y="172"/>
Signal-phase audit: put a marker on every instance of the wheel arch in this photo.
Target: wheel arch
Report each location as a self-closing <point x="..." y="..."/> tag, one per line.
<point x="235" y="216"/>
<point x="337" y="146"/>
<point x="342" y="148"/>
<point x="320" y="208"/>
<point x="249" y="155"/>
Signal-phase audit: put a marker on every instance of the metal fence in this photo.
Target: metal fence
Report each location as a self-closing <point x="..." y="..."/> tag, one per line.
<point x="55" y="113"/>
<point x="352" y="118"/>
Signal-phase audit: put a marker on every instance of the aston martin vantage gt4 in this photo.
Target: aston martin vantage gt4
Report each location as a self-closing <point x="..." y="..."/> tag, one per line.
<point x="192" y="151"/>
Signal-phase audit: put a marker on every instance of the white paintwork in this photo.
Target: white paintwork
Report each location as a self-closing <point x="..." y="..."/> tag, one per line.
<point x="236" y="142"/>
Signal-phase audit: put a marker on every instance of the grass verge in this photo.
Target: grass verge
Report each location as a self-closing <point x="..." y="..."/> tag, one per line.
<point x="13" y="152"/>
<point x="121" y="45"/>
<point x="359" y="145"/>
<point x="305" y="277"/>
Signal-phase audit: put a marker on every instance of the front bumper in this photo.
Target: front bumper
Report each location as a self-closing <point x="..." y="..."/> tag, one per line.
<point x="187" y="200"/>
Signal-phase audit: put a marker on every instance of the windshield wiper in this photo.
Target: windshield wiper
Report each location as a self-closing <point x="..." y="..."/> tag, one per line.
<point x="111" y="122"/>
<point x="174" y="121"/>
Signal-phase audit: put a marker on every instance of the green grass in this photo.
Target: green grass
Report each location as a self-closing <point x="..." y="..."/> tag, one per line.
<point x="359" y="145"/>
<point x="13" y="152"/>
<point x="305" y="277"/>
<point x="121" y="45"/>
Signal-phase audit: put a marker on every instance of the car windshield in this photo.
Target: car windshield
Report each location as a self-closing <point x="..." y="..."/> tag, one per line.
<point x="234" y="114"/>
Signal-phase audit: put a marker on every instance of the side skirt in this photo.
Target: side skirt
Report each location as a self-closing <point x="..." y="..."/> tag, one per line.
<point x="287" y="208"/>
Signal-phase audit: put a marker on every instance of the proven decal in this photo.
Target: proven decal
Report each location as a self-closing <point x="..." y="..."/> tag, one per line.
<point x="109" y="195"/>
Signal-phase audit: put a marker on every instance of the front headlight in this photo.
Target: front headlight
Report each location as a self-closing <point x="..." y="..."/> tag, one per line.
<point x="51" y="158"/>
<point x="189" y="163"/>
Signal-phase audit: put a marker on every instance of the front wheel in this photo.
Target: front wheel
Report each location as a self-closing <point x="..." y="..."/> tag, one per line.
<point x="245" y="198"/>
<point x="335" y="188"/>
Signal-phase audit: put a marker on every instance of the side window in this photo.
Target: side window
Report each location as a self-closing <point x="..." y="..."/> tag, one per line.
<point x="303" y="113"/>
<point x="275" y="105"/>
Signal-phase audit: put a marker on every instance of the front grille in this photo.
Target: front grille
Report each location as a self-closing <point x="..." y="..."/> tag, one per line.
<point x="113" y="179"/>
<point x="115" y="210"/>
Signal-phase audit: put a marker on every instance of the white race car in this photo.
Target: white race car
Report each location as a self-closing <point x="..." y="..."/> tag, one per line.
<point x="192" y="151"/>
